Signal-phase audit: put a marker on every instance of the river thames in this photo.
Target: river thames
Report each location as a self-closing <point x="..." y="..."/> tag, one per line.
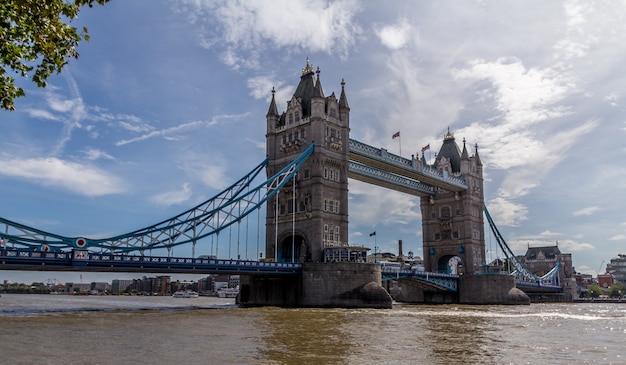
<point x="62" y="329"/>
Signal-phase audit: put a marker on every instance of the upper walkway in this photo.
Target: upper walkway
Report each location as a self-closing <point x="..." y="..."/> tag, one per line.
<point x="378" y="166"/>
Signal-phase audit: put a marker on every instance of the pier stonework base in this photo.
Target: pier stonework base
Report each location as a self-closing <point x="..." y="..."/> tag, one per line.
<point x="259" y="291"/>
<point x="343" y="285"/>
<point x="490" y="289"/>
<point x="330" y="285"/>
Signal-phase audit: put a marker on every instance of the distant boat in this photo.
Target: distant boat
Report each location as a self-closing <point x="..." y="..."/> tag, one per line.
<point x="228" y="292"/>
<point x="185" y="294"/>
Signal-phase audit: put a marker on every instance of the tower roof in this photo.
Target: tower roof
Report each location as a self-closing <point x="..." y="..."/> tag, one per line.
<point x="306" y="88"/>
<point x="273" y="110"/>
<point x="450" y="150"/>
<point x="343" y="100"/>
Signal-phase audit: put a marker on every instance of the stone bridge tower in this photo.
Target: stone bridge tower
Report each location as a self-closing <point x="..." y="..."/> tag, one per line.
<point x="452" y="223"/>
<point x="300" y="223"/>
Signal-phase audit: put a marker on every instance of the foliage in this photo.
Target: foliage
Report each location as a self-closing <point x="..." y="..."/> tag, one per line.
<point x="36" y="35"/>
<point x="595" y="291"/>
<point x="616" y="290"/>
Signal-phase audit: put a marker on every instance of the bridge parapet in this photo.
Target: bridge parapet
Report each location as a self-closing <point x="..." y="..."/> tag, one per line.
<point x="439" y="281"/>
<point x="381" y="154"/>
<point x="427" y="170"/>
<point x="384" y="176"/>
<point x="382" y="159"/>
<point x="84" y="260"/>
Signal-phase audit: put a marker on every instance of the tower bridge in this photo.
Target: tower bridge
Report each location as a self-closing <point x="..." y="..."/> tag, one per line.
<point x="310" y="157"/>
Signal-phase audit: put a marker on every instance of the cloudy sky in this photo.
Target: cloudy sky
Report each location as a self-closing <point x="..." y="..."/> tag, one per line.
<point x="166" y="106"/>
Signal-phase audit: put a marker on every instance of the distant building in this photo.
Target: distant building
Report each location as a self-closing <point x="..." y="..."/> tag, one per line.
<point x="617" y="268"/>
<point x="100" y="287"/>
<point x="78" y="287"/>
<point x="605" y="280"/>
<point x="120" y="285"/>
<point x="540" y="260"/>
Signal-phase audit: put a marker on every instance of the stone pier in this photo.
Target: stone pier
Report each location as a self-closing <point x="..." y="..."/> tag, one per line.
<point x="332" y="285"/>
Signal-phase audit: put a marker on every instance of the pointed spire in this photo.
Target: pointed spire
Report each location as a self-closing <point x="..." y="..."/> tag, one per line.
<point x="273" y="110"/>
<point x="476" y="155"/>
<point x="343" y="100"/>
<point x="317" y="91"/>
<point x="464" y="154"/>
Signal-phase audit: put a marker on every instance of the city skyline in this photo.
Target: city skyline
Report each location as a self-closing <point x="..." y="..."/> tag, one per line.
<point x="166" y="107"/>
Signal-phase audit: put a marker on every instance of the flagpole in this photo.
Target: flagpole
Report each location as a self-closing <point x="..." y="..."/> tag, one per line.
<point x="400" y="143"/>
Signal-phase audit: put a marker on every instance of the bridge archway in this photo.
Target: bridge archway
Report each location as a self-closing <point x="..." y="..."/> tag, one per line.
<point x="293" y="247"/>
<point x="450" y="264"/>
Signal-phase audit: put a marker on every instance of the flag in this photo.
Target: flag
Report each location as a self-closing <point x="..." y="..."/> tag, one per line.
<point x="395" y="135"/>
<point x="373" y="234"/>
<point x="427" y="147"/>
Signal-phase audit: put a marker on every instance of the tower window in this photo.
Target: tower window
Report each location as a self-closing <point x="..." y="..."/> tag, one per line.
<point x="445" y="212"/>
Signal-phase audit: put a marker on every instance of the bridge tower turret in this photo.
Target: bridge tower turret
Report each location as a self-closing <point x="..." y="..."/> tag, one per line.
<point x="452" y="223"/>
<point x="310" y="213"/>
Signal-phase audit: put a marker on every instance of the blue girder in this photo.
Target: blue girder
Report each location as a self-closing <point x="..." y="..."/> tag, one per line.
<point x="214" y="215"/>
<point x="14" y="259"/>
<point x="438" y="281"/>
<point x="381" y="159"/>
<point x="523" y="275"/>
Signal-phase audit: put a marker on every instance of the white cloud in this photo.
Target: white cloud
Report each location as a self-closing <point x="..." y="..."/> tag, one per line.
<point x="368" y="201"/>
<point x="173" y="133"/>
<point x="586" y="211"/>
<point x="96" y="154"/>
<point x="172" y="197"/>
<point x="394" y="36"/>
<point x="42" y="114"/>
<point x="618" y="237"/>
<point x="255" y="26"/>
<point x="71" y="176"/>
<point x="507" y="213"/>
<point x="523" y="96"/>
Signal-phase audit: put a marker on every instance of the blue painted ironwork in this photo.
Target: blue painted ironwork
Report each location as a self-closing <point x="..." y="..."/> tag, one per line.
<point x="214" y="215"/>
<point x="84" y="260"/>
<point x="385" y="178"/>
<point x="523" y="276"/>
<point x="379" y="157"/>
<point x="437" y="281"/>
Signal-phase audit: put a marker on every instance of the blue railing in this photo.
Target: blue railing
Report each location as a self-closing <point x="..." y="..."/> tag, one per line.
<point x="79" y="260"/>
<point x="441" y="281"/>
<point x="383" y="155"/>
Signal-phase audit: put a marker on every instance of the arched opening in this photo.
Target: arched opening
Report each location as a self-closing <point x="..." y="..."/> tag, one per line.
<point x="450" y="265"/>
<point x="293" y="249"/>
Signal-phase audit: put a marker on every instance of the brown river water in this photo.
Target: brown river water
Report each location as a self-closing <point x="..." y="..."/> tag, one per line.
<point x="61" y="329"/>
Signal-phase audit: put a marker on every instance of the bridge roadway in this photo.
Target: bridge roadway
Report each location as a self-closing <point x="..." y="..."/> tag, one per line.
<point x="449" y="282"/>
<point x="82" y="260"/>
<point x="436" y="281"/>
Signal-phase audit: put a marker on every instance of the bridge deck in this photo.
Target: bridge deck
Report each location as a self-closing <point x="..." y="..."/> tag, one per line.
<point x="88" y="261"/>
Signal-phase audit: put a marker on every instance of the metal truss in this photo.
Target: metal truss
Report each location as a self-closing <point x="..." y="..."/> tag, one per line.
<point x="207" y="218"/>
<point x="437" y="281"/>
<point x="521" y="272"/>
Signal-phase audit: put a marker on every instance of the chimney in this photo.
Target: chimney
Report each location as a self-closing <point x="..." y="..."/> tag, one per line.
<point x="399" y="247"/>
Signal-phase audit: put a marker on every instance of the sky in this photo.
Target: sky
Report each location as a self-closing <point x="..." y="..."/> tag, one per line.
<point x="166" y="105"/>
